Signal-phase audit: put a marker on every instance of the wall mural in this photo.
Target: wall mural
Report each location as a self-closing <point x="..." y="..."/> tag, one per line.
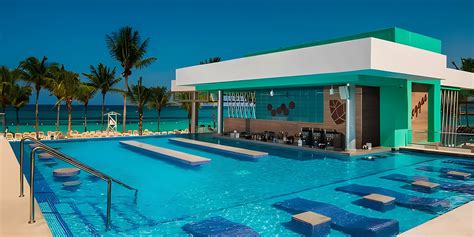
<point x="282" y="109"/>
<point x="338" y="111"/>
<point x="417" y="108"/>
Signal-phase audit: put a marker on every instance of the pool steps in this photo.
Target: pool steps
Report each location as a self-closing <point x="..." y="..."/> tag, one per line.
<point x="173" y="155"/>
<point x="342" y="220"/>
<point x="218" y="226"/>
<point x="449" y="186"/>
<point x="401" y="199"/>
<point x="220" y="148"/>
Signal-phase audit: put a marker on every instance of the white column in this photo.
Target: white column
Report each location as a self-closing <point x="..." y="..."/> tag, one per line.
<point x="220" y="112"/>
<point x="194" y="116"/>
<point x="351" y="118"/>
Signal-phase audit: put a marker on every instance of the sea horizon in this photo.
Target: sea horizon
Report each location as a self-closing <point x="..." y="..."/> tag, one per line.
<point x="172" y="117"/>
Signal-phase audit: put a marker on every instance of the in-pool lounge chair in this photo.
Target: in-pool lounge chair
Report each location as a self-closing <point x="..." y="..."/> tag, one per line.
<point x="401" y="199"/>
<point x="445" y="171"/>
<point x="460" y="162"/>
<point x="218" y="227"/>
<point x="342" y="220"/>
<point x="449" y="186"/>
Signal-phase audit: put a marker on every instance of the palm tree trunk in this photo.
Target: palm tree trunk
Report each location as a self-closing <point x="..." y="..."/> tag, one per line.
<point x="69" y="118"/>
<point x="124" y="121"/>
<point x="17" y="119"/>
<point x="102" y="115"/>
<point x="57" y="116"/>
<point x="159" y="115"/>
<point x="140" y="122"/>
<point x="85" y="117"/>
<point x="36" y="114"/>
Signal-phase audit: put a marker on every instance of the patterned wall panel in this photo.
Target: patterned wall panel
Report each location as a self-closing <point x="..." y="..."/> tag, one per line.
<point x="297" y="104"/>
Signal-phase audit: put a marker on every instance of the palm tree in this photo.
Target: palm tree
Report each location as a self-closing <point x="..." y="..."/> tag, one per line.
<point x="84" y="93"/>
<point x="55" y="86"/>
<point x="19" y="97"/>
<point x="70" y="87"/>
<point x="7" y="79"/>
<point x="188" y="106"/>
<point x="159" y="98"/>
<point x="139" y="95"/>
<point x="125" y="46"/>
<point x="37" y="72"/>
<point x="102" y="78"/>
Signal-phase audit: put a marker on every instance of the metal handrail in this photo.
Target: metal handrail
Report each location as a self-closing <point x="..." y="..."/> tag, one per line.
<point x="67" y="159"/>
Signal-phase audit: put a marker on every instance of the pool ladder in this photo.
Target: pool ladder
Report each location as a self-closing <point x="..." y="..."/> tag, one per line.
<point x="59" y="155"/>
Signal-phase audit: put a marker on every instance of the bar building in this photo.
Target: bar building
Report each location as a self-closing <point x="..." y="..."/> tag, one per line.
<point x="389" y="87"/>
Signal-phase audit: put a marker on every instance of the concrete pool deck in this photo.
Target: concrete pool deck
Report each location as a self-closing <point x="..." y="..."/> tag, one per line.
<point x="455" y="223"/>
<point x="14" y="210"/>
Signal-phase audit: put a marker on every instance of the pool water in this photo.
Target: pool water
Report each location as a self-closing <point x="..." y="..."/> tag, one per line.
<point x="171" y="195"/>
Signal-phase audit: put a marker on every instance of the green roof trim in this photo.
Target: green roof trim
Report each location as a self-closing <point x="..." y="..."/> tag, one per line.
<point x="394" y="34"/>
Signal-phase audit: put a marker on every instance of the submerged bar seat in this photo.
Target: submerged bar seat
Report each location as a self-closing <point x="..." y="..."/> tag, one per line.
<point x="342" y="220"/>
<point x="66" y="172"/>
<point x="218" y="227"/>
<point x="401" y="199"/>
<point x="449" y="186"/>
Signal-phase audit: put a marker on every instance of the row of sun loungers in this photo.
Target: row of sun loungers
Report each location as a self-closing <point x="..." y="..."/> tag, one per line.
<point x="91" y="134"/>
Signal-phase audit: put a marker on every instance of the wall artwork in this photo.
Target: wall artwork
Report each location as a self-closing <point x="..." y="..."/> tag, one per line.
<point x="338" y="111"/>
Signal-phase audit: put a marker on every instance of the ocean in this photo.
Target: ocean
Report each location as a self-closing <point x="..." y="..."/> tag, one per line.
<point x="172" y="117"/>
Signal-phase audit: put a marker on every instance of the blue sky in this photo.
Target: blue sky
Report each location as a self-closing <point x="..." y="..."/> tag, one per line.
<point x="183" y="33"/>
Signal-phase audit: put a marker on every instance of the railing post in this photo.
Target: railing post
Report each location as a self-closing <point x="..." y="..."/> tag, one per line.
<point x="109" y="203"/>
<point x="22" y="143"/>
<point x="32" y="185"/>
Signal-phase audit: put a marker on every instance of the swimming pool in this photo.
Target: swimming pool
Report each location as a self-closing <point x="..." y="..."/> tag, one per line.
<point x="243" y="191"/>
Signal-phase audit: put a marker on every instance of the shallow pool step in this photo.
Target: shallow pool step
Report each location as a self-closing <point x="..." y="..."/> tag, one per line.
<point x="181" y="157"/>
<point x="221" y="148"/>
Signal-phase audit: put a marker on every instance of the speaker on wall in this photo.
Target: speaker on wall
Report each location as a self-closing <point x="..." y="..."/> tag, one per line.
<point x="344" y="92"/>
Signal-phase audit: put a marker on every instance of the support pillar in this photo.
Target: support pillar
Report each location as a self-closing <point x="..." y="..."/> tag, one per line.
<point x="351" y="118"/>
<point x="194" y="112"/>
<point x="220" y="112"/>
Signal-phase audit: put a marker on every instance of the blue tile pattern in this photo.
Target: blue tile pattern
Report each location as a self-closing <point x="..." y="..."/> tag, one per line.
<point x="308" y="104"/>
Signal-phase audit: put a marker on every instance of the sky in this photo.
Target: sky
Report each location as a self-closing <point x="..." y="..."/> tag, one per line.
<point x="184" y="32"/>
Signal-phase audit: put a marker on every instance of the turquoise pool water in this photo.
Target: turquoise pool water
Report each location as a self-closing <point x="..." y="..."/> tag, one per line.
<point x="243" y="191"/>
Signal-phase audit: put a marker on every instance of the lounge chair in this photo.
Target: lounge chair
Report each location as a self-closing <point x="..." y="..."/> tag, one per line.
<point x="10" y="137"/>
<point x="444" y="170"/>
<point x="449" y="186"/>
<point x="342" y="220"/>
<point x="135" y="133"/>
<point x="218" y="227"/>
<point x="460" y="162"/>
<point x="401" y="199"/>
<point x="18" y="136"/>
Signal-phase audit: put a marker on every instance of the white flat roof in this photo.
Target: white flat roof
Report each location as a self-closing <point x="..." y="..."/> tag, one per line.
<point x="366" y="54"/>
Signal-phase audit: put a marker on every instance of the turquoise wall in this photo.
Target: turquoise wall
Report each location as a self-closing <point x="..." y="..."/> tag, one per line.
<point x="308" y="104"/>
<point x="395" y="114"/>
